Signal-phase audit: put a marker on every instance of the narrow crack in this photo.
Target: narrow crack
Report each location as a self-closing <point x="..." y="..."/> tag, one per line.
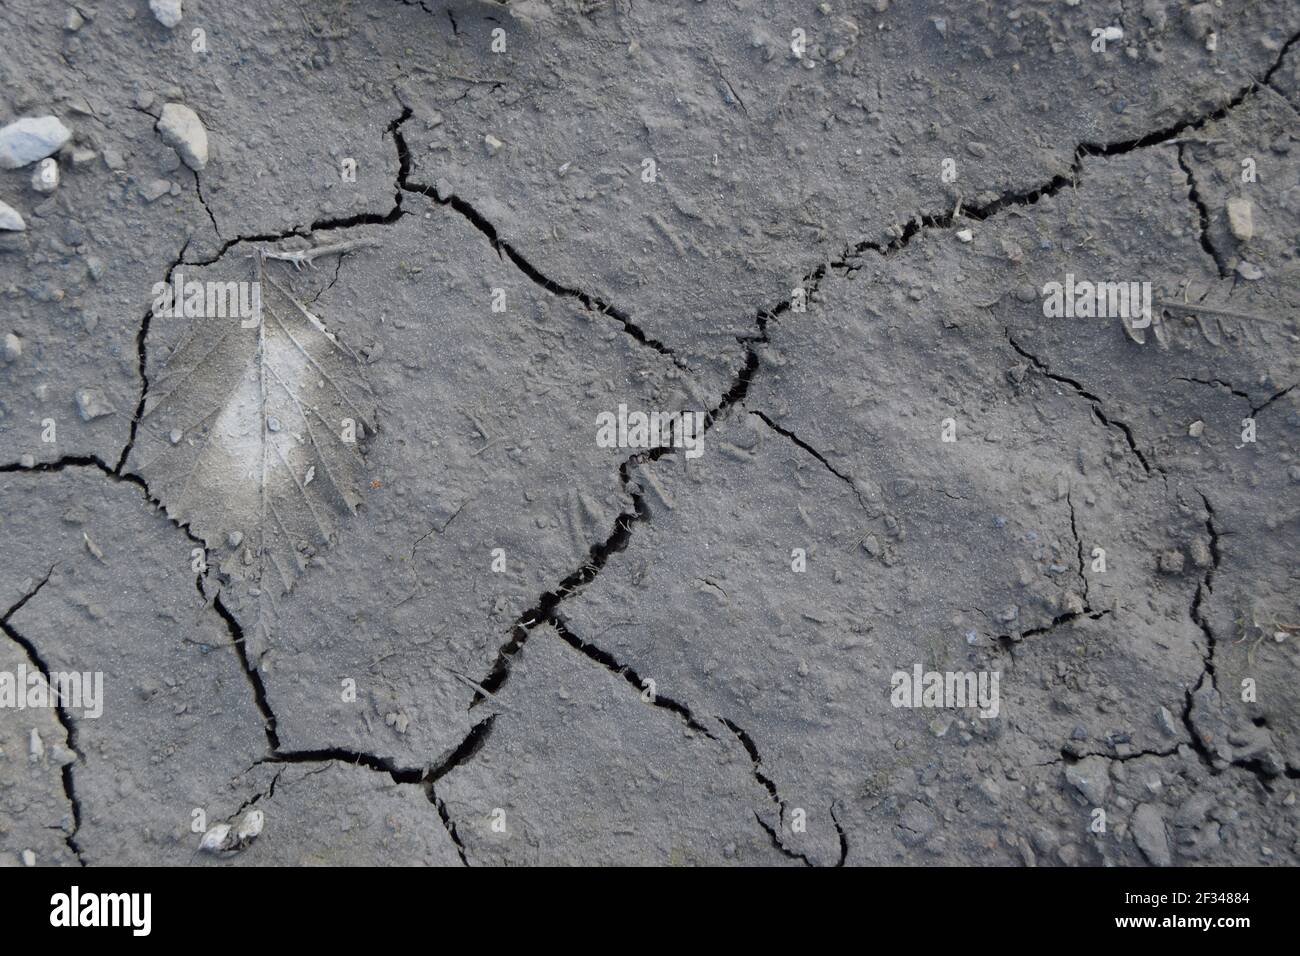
<point x="246" y="665"/>
<point x="786" y="433"/>
<point x="844" y="840"/>
<point x="1007" y="642"/>
<point x="142" y="356"/>
<point x="399" y="775"/>
<point x="330" y="224"/>
<point x="462" y="753"/>
<point x="1206" y="586"/>
<point x="507" y="251"/>
<point x="267" y="794"/>
<point x="353" y="758"/>
<point x="426" y="777"/>
<point x="545" y="607"/>
<point x="472" y="743"/>
<point x="1069" y="756"/>
<point x="1203" y="212"/>
<point x="628" y="674"/>
<point x="1078" y="542"/>
<point x="449" y="825"/>
<point x="769" y="785"/>
<point x="1214" y="383"/>
<point x="232" y="625"/>
<point x="1267" y="79"/>
<point x="1256" y="409"/>
<point x="64" y="719"/>
<point x="625" y="671"/>
<point x="113" y="474"/>
<point x="36" y="589"/>
<point x="1030" y="196"/>
<point x="544" y="610"/>
<point x="1095" y="400"/>
<point x="198" y="189"/>
<point x="503" y="248"/>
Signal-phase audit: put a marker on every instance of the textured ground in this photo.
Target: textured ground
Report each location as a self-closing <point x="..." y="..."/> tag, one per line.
<point x="645" y="678"/>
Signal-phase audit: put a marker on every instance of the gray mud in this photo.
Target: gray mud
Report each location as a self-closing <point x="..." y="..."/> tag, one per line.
<point x="359" y="563"/>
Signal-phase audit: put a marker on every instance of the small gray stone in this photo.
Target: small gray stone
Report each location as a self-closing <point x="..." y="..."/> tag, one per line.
<point x="1149" y="833"/>
<point x="13" y="347"/>
<point x="92" y="404"/>
<point x="182" y="130"/>
<point x="155" y="189"/>
<point x="1199" y="20"/>
<point x="1241" y="218"/>
<point x="1091" y="777"/>
<point x="916" y="823"/>
<point x="31" y="138"/>
<point x="1167" y="721"/>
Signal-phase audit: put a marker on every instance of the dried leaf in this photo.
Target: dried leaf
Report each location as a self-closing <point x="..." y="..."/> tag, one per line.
<point x="259" y="408"/>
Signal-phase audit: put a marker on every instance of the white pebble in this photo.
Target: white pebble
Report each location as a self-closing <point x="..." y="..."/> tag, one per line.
<point x="182" y="130"/>
<point x="167" y="12"/>
<point x="10" y="218"/>
<point x="31" y="138"/>
<point x="45" y="177"/>
<point x="250" y="827"/>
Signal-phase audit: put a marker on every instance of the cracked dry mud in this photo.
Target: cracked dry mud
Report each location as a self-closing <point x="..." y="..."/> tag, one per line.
<point x="645" y="677"/>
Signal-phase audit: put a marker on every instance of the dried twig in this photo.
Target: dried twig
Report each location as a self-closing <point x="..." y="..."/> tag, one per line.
<point x="306" y="257"/>
<point x="1205" y="310"/>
